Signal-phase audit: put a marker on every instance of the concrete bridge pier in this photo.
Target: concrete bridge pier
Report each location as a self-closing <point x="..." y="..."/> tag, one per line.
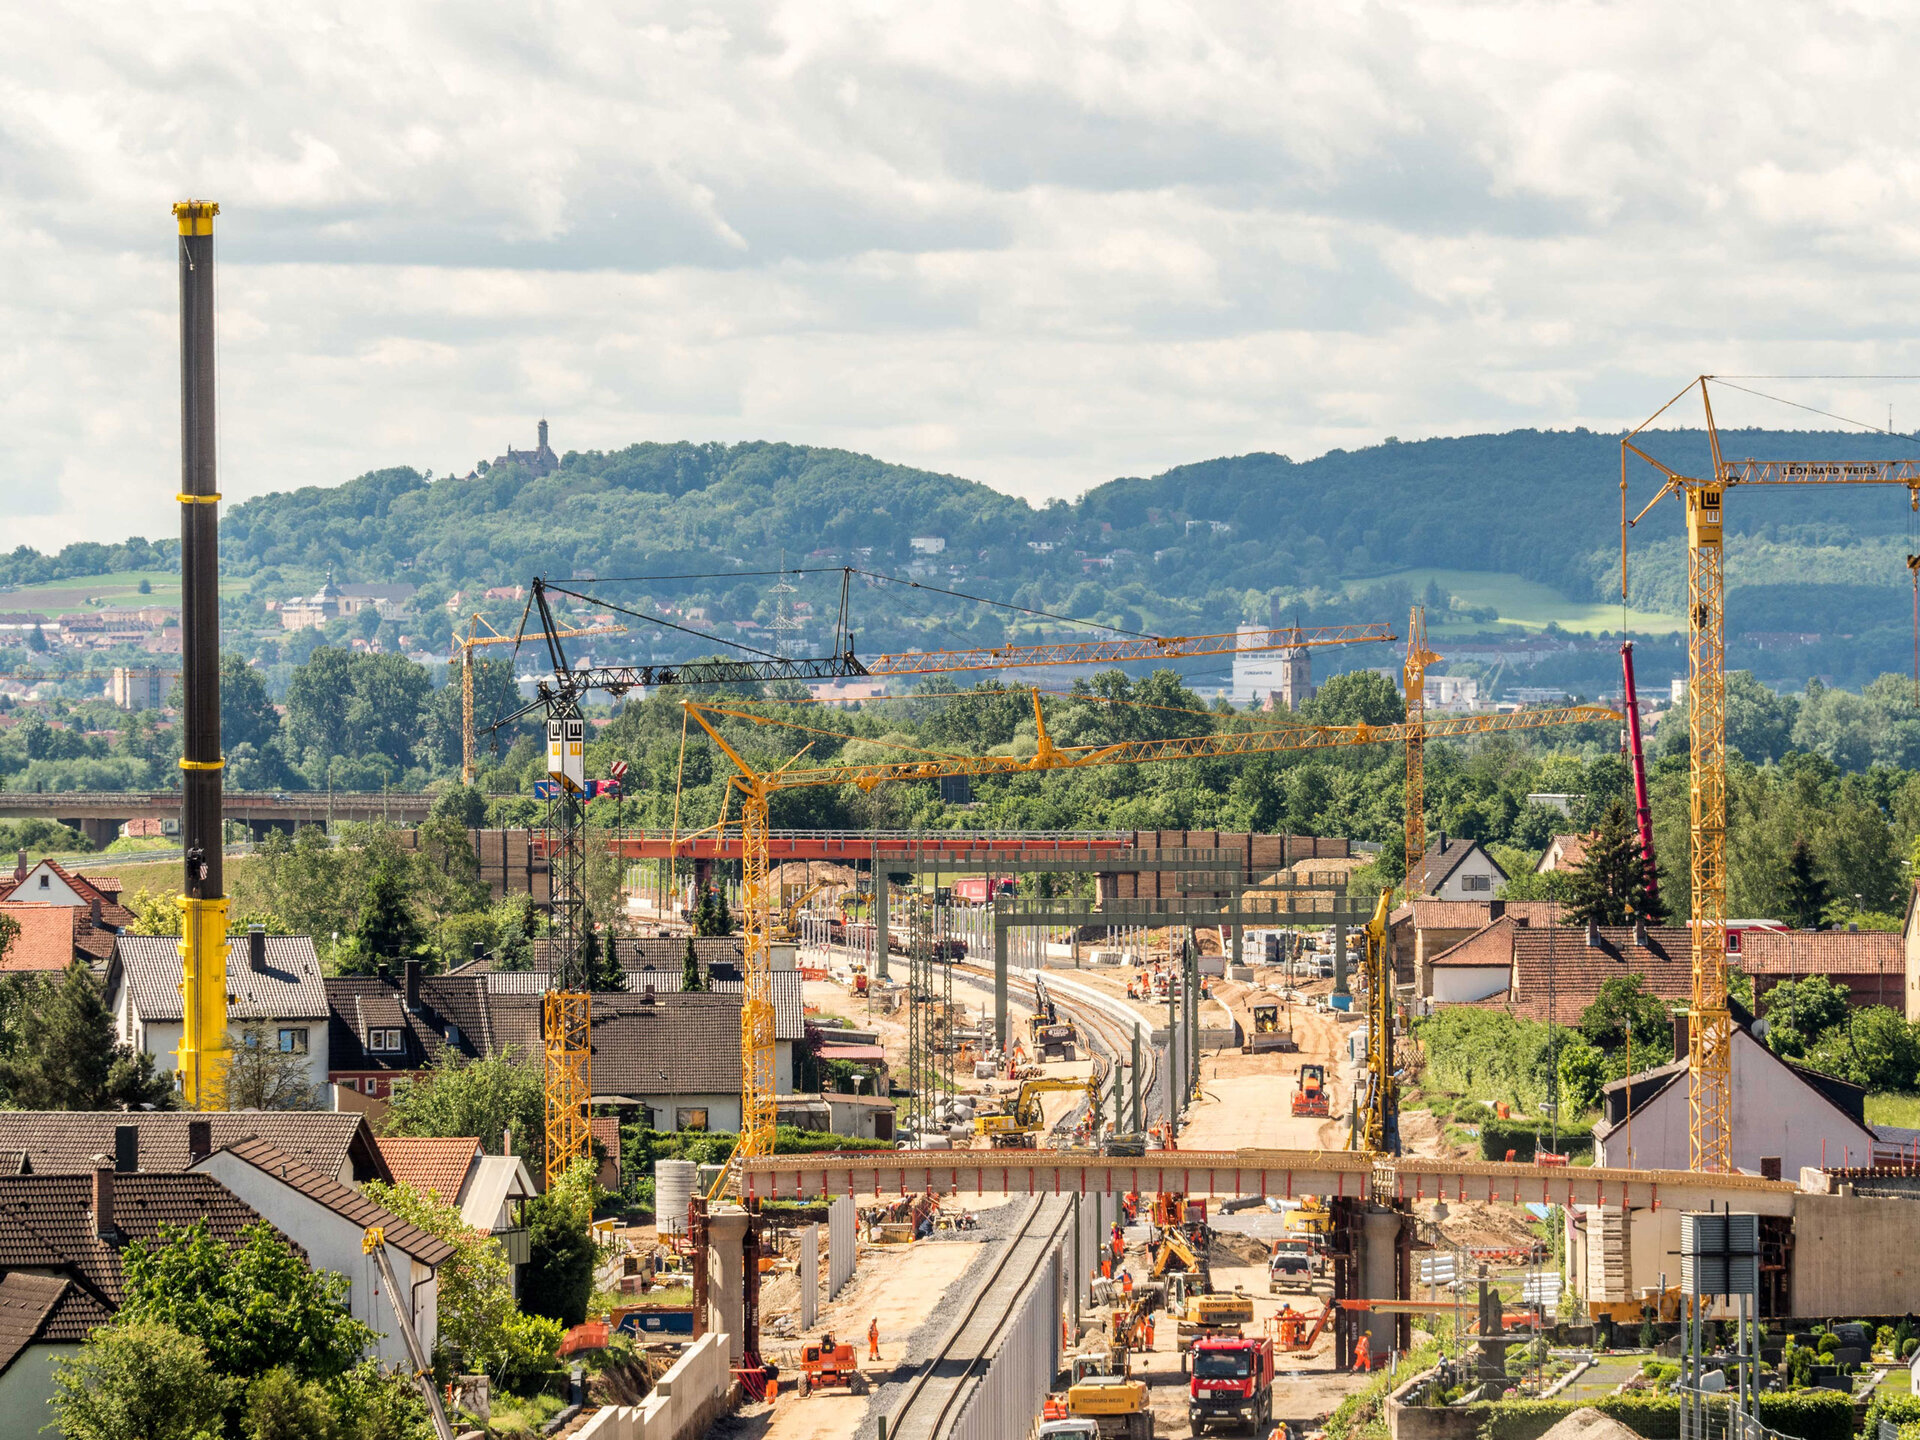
<point x="101" y="831"/>
<point x="1372" y="1251"/>
<point x="726" y="1278"/>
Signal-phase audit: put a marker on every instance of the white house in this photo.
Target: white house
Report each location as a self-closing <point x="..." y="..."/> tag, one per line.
<point x="489" y="1190"/>
<point x="330" y="1221"/>
<point x="273" y="982"/>
<point x="1462" y="870"/>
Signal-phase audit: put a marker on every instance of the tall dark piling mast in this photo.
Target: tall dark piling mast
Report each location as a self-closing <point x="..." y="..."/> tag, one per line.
<point x="202" y="1056"/>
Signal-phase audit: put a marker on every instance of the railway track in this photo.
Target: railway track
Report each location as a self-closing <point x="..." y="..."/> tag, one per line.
<point x="935" y="1397"/>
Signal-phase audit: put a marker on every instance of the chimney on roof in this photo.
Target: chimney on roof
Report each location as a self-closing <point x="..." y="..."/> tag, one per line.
<point x="1495" y="909"/>
<point x="649" y="996"/>
<point x="479" y="949"/>
<point x="199" y="1140"/>
<point x="1593" y="936"/>
<point x="506" y="1140"/>
<point x="103" y="1225"/>
<point x="411" y="978"/>
<point x="1682" y="1025"/>
<point x="20" y="868"/>
<point x="256" y="948"/>
<point x="93" y="912"/>
<point x="1640" y="931"/>
<point x="1442" y="844"/>
<point x="126" y="1149"/>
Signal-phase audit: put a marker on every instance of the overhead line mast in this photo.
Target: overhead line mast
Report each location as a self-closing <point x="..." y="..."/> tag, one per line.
<point x="1710" y="1033"/>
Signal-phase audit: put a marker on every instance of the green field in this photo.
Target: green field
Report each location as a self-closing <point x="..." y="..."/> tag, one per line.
<point x="1893" y="1108"/>
<point x="1526" y="603"/>
<point x="119" y="591"/>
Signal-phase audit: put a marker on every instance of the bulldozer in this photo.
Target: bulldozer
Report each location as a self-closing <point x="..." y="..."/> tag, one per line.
<point x="1102" y="1389"/>
<point x="824" y="1363"/>
<point x="1311" y="1096"/>
<point x="1022" y="1124"/>
<point x="1267" y="1037"/>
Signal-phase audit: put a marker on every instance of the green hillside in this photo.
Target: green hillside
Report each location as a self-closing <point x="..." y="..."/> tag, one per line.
<point x="1501" y="533"/>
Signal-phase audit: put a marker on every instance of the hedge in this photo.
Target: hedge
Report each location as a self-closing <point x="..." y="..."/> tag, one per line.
<point x="1902" y="1410"/>
<point x="1807" y="1414"/>
<point x="1499" y="1136"/>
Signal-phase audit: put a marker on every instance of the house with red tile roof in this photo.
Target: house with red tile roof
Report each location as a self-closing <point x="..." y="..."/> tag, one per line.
<point x="1564" y="853"/>
<point x="1423" y="928"/>
<point x="489" y="1191"/>
<point x="1872" y="964"/>
<point x="52" y="937"/>
<point x="1555" y="971"/>
<point x="48" y="882"/>
<point x="1462" y="870"/>
<point x="61" y="1241"/>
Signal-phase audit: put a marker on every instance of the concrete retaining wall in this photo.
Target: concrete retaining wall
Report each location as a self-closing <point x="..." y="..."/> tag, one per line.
<point x="1428" y="1422"/>
<point x="684" y="1404"/>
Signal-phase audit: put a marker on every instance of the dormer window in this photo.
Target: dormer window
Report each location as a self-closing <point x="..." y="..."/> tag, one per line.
<point x="383" y="1041"/>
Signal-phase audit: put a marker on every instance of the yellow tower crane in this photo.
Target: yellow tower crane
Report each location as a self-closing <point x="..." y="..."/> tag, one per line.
<point x="568" y="1017"/>
<point x="464" y="646"/>
<point x="1710" y="1031"/>
<point x="1415" y="683"/>
<point x="755" y="789"/>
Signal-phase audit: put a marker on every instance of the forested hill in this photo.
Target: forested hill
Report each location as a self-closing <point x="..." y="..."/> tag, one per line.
<point x="1203" y="544"/>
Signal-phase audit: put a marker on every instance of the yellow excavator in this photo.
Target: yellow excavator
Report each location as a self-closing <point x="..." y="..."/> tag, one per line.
<point x="787" y="926"/>
<point x="1022" y="1124"/>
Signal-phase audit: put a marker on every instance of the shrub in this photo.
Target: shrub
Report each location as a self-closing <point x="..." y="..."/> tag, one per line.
<point x="1499" y="1136"/>
<point x="527" y="1346"/>
<point x="1815" y="1415"/>
<point x="140" y="1379"/>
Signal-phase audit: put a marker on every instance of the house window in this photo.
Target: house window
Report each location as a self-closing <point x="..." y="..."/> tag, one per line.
<point x="690" y="1117"/>
<point x="1476" y="882"/>
<point x="384" y="1041"/>
<point x="46" y="882"/>
<point x="293" y="1041"/>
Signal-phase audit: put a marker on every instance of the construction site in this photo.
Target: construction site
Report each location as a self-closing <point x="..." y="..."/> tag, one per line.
<point x="1083" y="1132"/>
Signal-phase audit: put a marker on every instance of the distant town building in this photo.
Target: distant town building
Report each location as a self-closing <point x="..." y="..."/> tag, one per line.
<point x="928" y="544"/>
<point x="312" y="611"/>
<point x="140" y="687"/>
<point x="389" y="600"/>
<point x="1563" y="852"/>
<point x="1451" y="692"/>
<point x="1285" y="675"/>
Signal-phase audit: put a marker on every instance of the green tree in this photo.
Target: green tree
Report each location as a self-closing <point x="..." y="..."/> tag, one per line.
<point x="603" y="969"/>
<point x="475" y="1287"/>
<point x="254" y="1304"/>
<point x="1611" y="885"/>
<point x="1805" y="893"/>
<point x="483" y="1098"/>
<point x="1872" y="1046"/>
<point x="558" y="1281"/>
<point x="1624" y="1004"/>
<point x="1799" y="1012"/>
<point x="1358" y="697"/>
<point x="282" y="1406"/>
<point x="70" y="1057"/>
<point x="1583" y="1070"/>
<point x="690" y="980"/>
<point x="386" y="930"/>
<point x="135" y="1379"/>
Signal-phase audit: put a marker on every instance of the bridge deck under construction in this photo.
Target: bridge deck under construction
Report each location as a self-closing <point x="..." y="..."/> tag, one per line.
<point x="1272" y="1174"/>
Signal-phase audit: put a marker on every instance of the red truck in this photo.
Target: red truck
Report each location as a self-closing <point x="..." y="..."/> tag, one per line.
<point x="1232" y="1383"/>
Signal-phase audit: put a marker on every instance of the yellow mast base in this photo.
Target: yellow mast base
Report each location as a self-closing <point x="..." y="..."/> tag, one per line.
<point x="202" y="1055"/>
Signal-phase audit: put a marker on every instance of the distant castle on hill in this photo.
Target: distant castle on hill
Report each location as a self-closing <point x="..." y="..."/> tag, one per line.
<point x="541" y="460"/>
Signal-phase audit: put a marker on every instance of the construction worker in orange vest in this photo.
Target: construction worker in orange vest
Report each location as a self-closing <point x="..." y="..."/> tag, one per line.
<point x="873" y="1338"/>
<point x="1363" y="1352"/>
<point x="1126" y="1283"/>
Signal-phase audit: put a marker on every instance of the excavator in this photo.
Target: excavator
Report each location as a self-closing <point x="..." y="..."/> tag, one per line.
<point x="1053" y="1038"/>
<point x="1101" y="1388"/>
<point x="1020" y="1127"/>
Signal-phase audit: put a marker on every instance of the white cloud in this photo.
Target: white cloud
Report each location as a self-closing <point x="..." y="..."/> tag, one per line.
<point x="1038" y="244"/>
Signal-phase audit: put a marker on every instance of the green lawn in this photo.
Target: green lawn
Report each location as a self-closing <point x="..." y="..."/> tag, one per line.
<point x="1527" y="603"/>
<point x="1894" y="1108"/>
<point x="120" y="590"/>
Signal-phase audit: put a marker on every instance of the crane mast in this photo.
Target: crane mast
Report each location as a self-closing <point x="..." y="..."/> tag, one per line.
<point x="1414" y="681"/>
<point x="1710" y="1032"/>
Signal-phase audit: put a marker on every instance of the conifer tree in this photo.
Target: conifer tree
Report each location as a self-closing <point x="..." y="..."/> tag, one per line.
<point x="1611" y="885"/>
<point x="1805" y="893"/>
<point x="690" y="980"/>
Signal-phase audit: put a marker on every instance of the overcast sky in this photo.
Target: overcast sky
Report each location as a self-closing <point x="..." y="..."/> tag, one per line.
<point x="1038" y="244"/>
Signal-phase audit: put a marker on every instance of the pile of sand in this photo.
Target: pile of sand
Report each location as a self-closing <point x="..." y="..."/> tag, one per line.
<point x="1587" y="1423"/>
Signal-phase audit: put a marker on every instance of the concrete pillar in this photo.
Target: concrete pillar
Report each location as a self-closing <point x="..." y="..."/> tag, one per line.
<point x="999" y="983"/>
<point x="880" y="887"/>
<point x="1340" y="949"/>
<point x="1380" y="1274"/>
<point x="726" y="1279"/>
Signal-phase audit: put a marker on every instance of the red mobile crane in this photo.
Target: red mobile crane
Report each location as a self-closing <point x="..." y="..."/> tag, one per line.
<point x="1643" y="812"/>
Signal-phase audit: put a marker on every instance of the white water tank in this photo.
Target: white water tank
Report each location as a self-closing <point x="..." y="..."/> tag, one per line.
<point x="672" y="1190"/>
